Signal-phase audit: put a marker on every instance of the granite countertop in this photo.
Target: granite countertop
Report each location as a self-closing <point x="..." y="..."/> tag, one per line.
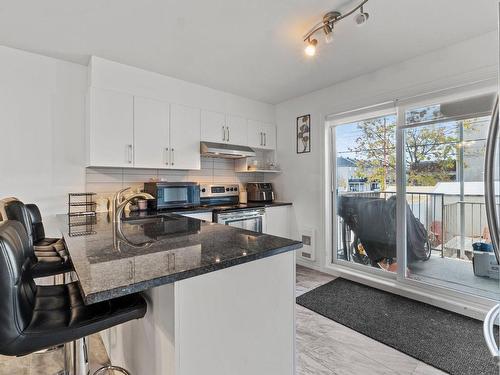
<point x="153" y="250"/>
<point x="243" y="206"/>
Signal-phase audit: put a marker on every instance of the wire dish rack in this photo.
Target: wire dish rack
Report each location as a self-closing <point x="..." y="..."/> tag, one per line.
<point x="81" y="214"/>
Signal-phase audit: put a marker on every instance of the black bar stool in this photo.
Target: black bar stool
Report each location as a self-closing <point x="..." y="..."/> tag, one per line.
<point x="38" y="317"/>
<point x="40" y="242"/>
<point x="48" y="256"/>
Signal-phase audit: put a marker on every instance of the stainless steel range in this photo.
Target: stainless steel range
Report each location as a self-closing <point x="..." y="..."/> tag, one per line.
<point x="224" y="199"/>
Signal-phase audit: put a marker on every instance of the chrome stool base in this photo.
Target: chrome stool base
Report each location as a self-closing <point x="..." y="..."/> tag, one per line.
<point x="105" y="369"/>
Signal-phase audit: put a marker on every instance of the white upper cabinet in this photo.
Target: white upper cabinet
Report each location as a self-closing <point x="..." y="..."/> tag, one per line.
<point x="213" y="127"/>
<point x="261" y="135"/>
<point x="255" y="138"/>
<point x="236" y="130"/>
<point x="111" y="129"/>
<point x="151" y="133"/>
<point x="269" y="133"/>
<point x="184" y="137"/>
<point x="220" y="128"/>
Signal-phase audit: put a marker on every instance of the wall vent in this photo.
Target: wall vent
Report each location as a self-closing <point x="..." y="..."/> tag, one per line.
<point x="308" y="250"/>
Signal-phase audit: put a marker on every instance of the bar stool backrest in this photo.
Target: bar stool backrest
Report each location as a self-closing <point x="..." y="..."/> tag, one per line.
<point x="14" y="209"/>
<point x="17" y="287"/>
<point x="38" y="231"/>
<point x="3" y="202"/>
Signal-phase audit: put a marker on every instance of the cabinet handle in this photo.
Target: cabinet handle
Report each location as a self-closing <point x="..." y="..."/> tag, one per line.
<point x="223" y="134"/>
<point x="265" y="139"/>
<point x="130" y="153"/>
<point x="261" y="139"/>
<point x="227" y="133"/>
<point x="166" y="155"/>
<point x="173" y="155"/>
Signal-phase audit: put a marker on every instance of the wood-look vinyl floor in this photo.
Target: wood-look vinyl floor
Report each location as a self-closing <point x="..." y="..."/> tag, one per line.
<point x="324" y="347"/>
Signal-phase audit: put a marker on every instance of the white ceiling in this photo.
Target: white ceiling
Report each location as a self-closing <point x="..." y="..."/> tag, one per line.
<point x="251" y="48"/>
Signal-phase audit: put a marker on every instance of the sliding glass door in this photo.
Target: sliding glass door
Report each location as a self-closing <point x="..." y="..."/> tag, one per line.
<point x="444" y="153"/>
<point x="423" y="169"/>
<point x="365" y="201"/>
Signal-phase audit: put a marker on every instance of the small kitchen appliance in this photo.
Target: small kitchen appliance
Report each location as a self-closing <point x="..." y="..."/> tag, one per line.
<point x="172" y="194"/>
<point x="260" y="192"/>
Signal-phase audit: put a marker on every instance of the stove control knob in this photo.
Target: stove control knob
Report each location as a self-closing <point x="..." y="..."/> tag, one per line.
<point x="227" y="189"/>
<point x="203" y="190"/>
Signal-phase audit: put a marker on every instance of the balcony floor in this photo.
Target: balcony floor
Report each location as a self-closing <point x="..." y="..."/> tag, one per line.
<point x="455" y="274"/>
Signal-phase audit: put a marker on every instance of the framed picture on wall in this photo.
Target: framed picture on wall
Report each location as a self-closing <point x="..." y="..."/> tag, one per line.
<point x="303" y="134"/>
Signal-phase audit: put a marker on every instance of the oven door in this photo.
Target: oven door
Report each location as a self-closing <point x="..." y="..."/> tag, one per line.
<point x="252" y="220"/>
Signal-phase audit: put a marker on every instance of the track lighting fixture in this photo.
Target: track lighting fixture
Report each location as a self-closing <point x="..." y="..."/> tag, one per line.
<point x="328" y="24"/>
<point x="361" y="18"/>
<point x="311" y="47"/>
<point x="328" y="33"/>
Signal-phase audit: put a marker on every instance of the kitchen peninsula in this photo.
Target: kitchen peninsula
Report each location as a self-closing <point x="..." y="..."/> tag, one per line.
<point x="220" y="299"/>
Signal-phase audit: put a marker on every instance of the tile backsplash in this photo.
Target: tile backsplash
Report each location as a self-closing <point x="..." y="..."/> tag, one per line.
<point x="106" y="181"/>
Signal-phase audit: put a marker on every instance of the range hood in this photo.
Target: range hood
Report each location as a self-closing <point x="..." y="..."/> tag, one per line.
<point x="223" y="150"/>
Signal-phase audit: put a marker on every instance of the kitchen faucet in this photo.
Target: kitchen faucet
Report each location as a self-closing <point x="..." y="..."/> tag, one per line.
<point x="119" y="203"/>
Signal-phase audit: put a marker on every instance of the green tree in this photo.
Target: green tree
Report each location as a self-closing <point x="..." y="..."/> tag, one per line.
<point x="375" y="148"/>
<point x="431" y="154"/>
<point x="430" y="150"/>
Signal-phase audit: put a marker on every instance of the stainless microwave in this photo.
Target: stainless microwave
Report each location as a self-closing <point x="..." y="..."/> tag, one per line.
<point x="172" y="194"/>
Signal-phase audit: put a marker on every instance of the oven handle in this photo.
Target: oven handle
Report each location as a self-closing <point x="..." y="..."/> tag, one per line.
<point x="232" y="215"/>
<point x="239" y="217"/>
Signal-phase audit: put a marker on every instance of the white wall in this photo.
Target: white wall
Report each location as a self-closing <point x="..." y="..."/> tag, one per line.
<point x="302" y="180"/>
<point x="42" y="109"/>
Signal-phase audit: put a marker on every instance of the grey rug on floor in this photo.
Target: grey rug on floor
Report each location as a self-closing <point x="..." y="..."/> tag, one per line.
<point x="448" y="341"/>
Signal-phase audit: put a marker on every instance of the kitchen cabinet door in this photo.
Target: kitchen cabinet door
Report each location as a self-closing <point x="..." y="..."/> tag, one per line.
<point x="236" y="130"/>
<point x="213" y="127"/>
<point x="254" y="133"/>
<point x="184" y="137"/>
<point x="278" y="221"/>
<point x="111" y="129"/>
<point x="151" y="133"/>
<point x="269" y="134"/>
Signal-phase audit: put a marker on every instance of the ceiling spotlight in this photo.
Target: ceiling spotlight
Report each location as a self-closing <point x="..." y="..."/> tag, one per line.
<point x="362" y="17"/>
<point x="327" y="26"/>
<point x="328" y="33"/>
<point x="311" y="47"/>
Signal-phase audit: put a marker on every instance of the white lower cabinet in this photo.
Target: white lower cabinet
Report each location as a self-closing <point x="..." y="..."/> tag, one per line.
<point x="206" y="216"/>
<point x="278" y="221"/>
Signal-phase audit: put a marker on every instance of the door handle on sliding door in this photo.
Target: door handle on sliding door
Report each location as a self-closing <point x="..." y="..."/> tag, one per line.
<point x="489" y="180"/>
<point x="488" y="332"/>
